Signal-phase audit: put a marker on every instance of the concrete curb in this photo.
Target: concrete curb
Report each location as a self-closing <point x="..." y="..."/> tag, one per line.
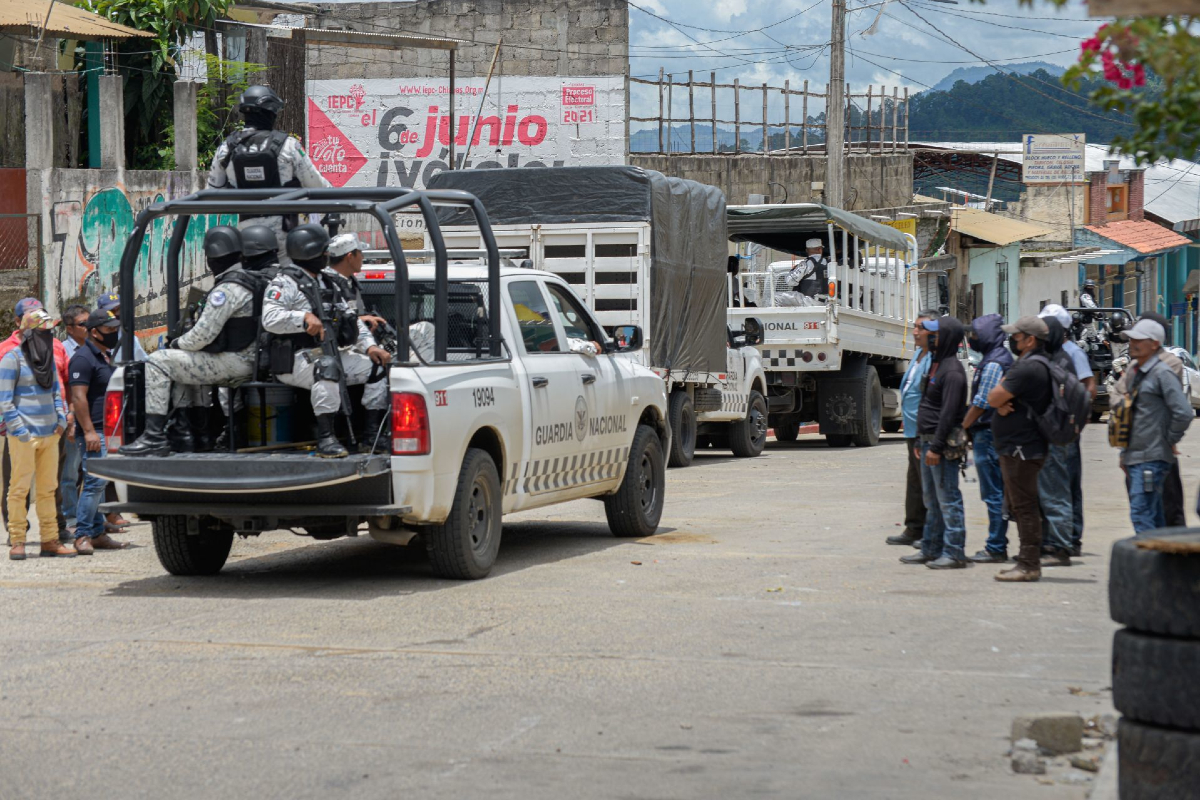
<point x="814" y="428"/>
<point x="1105" y="786"/>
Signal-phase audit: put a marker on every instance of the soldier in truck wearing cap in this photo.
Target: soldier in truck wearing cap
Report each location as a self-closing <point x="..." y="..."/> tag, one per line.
<point x="811" y="276"/>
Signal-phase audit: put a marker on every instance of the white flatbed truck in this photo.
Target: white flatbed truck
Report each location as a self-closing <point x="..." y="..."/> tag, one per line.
<point x="838" y="359"/>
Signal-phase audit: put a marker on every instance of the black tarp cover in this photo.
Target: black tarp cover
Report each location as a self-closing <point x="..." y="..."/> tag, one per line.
<point x="688" y="240"/>
<point x="787" y="227"/>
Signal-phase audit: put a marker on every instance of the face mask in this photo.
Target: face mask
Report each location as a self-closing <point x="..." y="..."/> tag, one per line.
<point x="1012" y="344"/>
<point x="43" y="338"/>
<point x="975" y="345"/>
<point x="110" y="338"/>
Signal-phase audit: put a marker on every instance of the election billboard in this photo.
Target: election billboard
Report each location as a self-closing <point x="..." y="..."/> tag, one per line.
<point x="396" y="132"/>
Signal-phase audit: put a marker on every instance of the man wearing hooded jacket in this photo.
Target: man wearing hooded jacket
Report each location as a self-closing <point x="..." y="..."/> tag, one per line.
<point x="943" y="406"/>
<point x="987" y="338"/>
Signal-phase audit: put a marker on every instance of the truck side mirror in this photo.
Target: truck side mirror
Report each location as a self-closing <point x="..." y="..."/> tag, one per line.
<point x="752" y="330"/>
<point x="626" y="339"/>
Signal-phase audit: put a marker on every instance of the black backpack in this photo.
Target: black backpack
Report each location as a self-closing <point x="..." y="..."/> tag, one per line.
<point x="1070" y="405"/>
<point x="255" y="157"/>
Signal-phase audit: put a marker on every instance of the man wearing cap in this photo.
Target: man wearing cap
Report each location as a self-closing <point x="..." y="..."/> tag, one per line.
<point x="25" y="306"/>
<point x="35" y="416"/>
<point x="1161" y="415"/>
<point x="346" y="260"/>
<point x="1023" y="395"/>
<point x="90" y="371"/>
<point x="810" y="276"/>
<point x="112" y="302"/>
<point x="1062" y="471"/>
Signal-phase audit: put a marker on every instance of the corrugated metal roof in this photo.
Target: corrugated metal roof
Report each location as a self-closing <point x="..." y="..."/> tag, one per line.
<point x="65" y="21"/>
<point x="993" y="227"/>
<point x="1172" y="187"/>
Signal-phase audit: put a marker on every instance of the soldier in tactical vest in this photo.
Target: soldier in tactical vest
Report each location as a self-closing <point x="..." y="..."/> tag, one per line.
<point x="297" y="301"/>
<point x="260" y="157"/>
<point x="810" y="276"/>
<point x="218" y="349"/>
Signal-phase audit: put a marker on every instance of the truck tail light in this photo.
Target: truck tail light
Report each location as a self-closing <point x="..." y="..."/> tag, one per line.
<point x="410" y="424"/>
<point x="114" y="403"/>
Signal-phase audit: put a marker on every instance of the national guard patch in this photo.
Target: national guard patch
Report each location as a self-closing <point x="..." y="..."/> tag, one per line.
<point x="217" y="298"/>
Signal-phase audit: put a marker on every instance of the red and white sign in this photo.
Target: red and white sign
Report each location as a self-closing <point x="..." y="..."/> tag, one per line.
<point x="396" y="132"/>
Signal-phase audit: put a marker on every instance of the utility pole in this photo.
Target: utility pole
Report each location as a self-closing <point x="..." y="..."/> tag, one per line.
<point x="835" y="110"/>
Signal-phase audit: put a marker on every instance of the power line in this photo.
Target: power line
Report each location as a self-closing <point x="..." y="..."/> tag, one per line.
<point x="716" y="30"/>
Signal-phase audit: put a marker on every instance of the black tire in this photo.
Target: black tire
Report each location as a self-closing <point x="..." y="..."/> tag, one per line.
<point x="181" y="553"/>
<point x="1156" y="763"/>
<point x="1154" y="679"/>
<point x="786" y="431"/>
<point x="1155" y="592"/>
<point x="464" y="547"/>
<point x="893" y="425"/>
<point x="748" y="437"/>
<point x="682" y="419"/>
<point x="839" y="439"/>
<point x="872" y="410"/>
<point x="637" y="506"/>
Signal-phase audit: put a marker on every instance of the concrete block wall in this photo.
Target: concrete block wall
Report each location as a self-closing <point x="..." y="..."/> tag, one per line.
<point x="541" y="38"/>
<point x="873" y="181"/>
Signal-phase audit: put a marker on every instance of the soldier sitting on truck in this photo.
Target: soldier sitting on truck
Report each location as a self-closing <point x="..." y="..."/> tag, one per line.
<point x="810" y="276"/>
<point x="291" y="313"/>
<point x="218" y="349"/>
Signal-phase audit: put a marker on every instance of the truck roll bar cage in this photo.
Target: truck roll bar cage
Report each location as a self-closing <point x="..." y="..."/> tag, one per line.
<point x="378" y="202"/>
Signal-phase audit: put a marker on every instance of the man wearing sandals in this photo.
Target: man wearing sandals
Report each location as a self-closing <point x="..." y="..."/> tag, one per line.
<point x="31" y="402"/>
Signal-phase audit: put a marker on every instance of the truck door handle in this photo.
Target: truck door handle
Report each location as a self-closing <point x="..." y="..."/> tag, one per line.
<point x="539" y="382"/>
<point x="589" y="377"/>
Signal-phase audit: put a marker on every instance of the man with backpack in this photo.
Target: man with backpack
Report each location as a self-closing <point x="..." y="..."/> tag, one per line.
<point x="1054" y="481"/>
<point x="1160" y="415"/>
<point x="987" y="338"/>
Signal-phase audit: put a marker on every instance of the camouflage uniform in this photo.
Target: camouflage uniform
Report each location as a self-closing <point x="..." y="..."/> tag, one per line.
<point x="283" y="310"/>
<point x="293" y="163"/>
<point x="187" y="365"/>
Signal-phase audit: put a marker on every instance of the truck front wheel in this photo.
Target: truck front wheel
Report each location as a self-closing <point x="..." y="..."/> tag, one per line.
<point x="682" y="417"/>
<point x="464" y="547"/>
<point x="748" y="436"/>
<point x="183" y="553"/>
<point x="871" y="421"/>
<point x="637" y="506"/>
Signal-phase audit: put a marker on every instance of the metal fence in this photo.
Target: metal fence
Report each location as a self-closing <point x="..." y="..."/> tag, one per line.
<point x="875" y="121"/>
<point x="20" y="242"/>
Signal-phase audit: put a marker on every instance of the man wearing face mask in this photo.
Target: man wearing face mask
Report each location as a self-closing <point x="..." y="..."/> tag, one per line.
<point x="910" y="402"/>
<point x="987" y="338"/>
<point x="90" y="371"/>
<point x="219" y="348"/>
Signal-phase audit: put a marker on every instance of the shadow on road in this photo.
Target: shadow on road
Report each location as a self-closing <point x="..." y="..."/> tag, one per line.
<point x="363" y="569"/>
<point x="812" y="442"/>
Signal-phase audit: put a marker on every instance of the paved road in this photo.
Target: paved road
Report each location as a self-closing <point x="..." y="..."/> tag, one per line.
<point x="768" y="645"/>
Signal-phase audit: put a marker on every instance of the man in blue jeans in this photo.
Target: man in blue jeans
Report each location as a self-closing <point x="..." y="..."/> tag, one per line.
<point x="943" y="405"/>
<point x="1161" y="415"/>
<point x="910" y="401"/>
<point x="88" y="375"/>
<point x="987" y="338"/>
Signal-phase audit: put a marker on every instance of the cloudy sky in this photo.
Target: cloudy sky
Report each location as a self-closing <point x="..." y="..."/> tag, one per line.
<point x="913" y="43"/>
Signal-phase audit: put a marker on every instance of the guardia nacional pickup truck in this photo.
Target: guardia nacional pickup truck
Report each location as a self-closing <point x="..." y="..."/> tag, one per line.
<point x="503" y="417"/>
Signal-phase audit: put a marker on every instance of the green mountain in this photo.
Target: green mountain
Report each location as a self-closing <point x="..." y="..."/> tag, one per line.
<point x="976" y="74"/>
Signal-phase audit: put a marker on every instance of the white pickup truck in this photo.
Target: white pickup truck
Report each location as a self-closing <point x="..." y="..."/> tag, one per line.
<point x="504" y="417"/>
<point x="837" y="358"/>
<point x="641" y="249"/>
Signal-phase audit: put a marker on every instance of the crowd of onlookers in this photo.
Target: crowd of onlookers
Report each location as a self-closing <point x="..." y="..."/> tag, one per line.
<point x="52" y="422"/>
<point x="1024" y="475"/>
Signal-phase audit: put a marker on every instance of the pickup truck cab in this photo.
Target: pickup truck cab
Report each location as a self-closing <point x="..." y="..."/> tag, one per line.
<point x="504" y="417"/>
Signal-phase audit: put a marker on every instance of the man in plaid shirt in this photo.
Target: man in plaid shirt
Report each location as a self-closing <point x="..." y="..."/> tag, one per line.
<point x="987" y="338"/>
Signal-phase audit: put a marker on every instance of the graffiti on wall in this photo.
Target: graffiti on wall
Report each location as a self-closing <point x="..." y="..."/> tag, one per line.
<point x="87" y="237"/>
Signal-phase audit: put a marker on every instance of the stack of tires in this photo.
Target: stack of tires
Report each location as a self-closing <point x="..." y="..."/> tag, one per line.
<point x="1156" y="667"/>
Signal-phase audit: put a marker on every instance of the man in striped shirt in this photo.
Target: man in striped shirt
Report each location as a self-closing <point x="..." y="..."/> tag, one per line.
<point x="31" y="403"/>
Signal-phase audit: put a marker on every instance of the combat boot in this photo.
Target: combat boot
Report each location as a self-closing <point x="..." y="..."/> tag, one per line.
<point x="328" y="445"/>
<point x="153" y="441"/>
<point x="180" y="438"/>
<point x="373" y="439"/>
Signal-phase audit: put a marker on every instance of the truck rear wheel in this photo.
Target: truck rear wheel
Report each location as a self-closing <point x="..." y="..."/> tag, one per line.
<point x="464" y="547"/>
<point x="183" y="553"/>
<point x="637" y="506"/>
<point x="787" y="431"/>
<point x="748" y="436"/>
<point x="872" y="410"/>
<point x="682" y="418"/>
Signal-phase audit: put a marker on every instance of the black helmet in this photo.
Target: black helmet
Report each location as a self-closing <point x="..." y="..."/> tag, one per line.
<point x="261" y="98"/>
<point x="307" y="242"/>
<point x="258" y="239"/>
<point x="222" y="241"/>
